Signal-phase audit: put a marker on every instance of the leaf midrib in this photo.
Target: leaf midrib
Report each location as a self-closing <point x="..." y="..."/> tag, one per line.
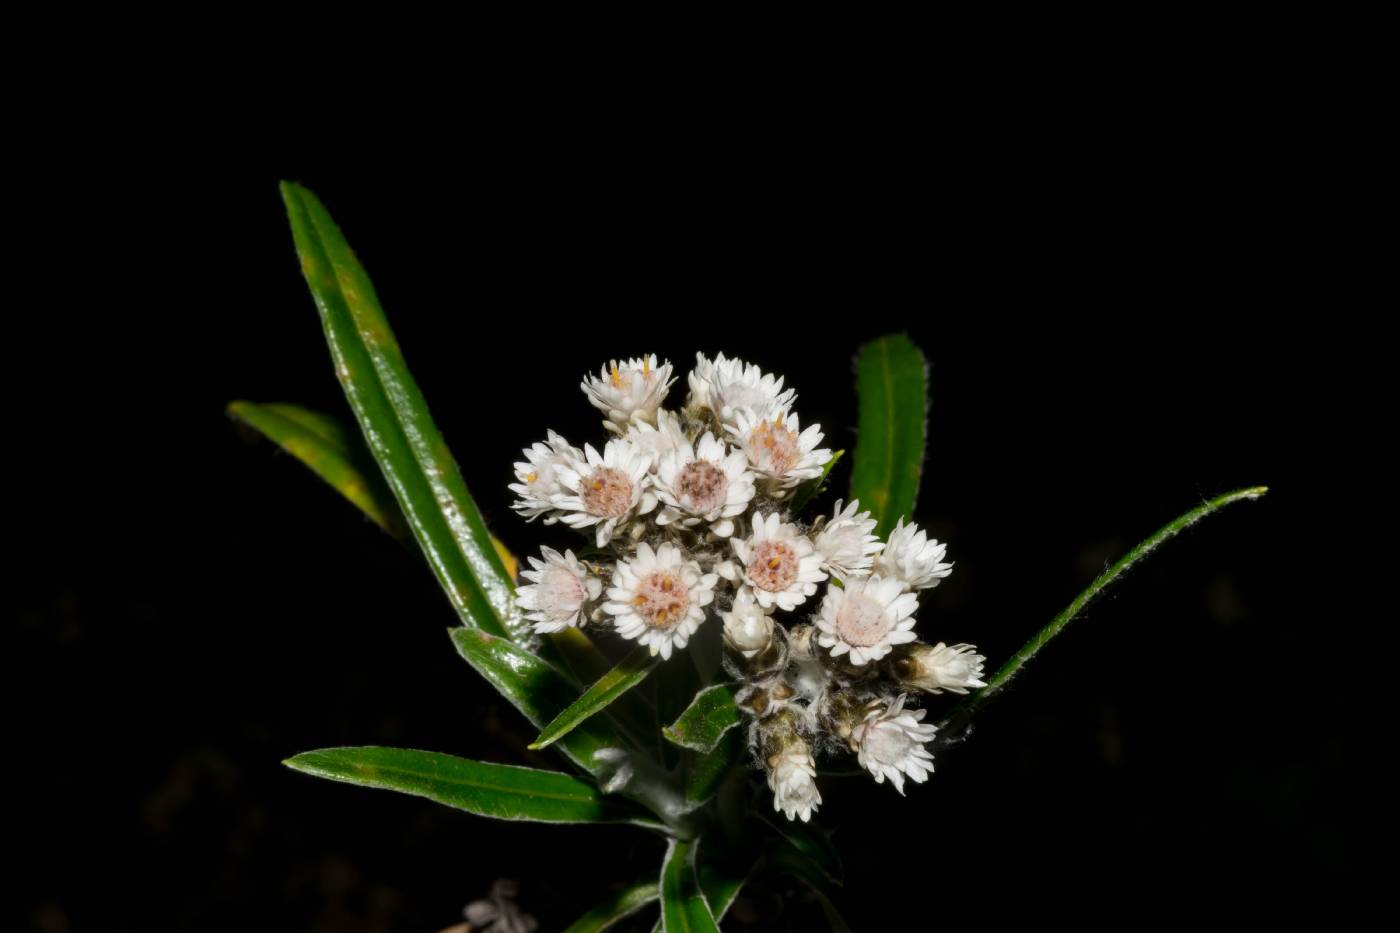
<point x="379" y="364"/>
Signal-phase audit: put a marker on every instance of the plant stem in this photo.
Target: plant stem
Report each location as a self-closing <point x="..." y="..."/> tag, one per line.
<point x="960" y="716"/>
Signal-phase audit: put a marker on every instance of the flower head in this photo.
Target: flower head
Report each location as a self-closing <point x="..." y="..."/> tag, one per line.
<point x="558" y="589"/>
<point x="659" y="439"/>
<point x="889" y="744"/>
<point x="913" y="558"/>
<point x="846" y="544"/>
<point x="866" y="618"/>
<point x="941" y="667"/>
<point x="778" y="449"/>
<point x="537" y="483"/>
<point x="747" y="628"/>
<point x="658" y="598"/>
<point x="792" y="778"/>
<point x="706" y="483"/>
<point x="778" y="563"/>
<point x="606" y="489"/>
<point x="628" y="391"/>
<point x="729" y="386"/>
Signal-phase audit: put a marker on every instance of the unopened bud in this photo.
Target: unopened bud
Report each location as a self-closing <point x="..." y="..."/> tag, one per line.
<point x="747" y="628"/>
<point x="940" y="667"/>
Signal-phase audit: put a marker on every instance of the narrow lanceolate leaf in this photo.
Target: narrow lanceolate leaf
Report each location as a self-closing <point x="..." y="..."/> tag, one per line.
<point x="710" y="715"/>
<point x="505" y="792"/>
<point x="394" y="419"/>
<point x="322" y="444"/>
<point x="621" y="905"/>
<point x="628" y="672"/>
<point x="683" y="906"/>
<point x="721" y="883"/>
<point x="964" y="712"/>
<point x="709" y="770"/>
<point x="538" y="690"/>
<point x="892" y="385"/>
<point x="340" y="458"/>
<point x="809" y="490"/>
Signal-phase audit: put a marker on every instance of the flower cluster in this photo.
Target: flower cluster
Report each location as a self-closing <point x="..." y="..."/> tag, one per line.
<point x="690" y="517"/>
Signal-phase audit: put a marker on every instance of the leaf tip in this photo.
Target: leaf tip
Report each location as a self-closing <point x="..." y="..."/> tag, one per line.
<point x="289" y="189"/>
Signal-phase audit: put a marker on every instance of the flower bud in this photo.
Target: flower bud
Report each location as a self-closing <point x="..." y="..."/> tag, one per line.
<point x="792" y="772"/>
<point x="747" y="628"/>
<point x="938" y="668"/>
<point x="754" y="645"/>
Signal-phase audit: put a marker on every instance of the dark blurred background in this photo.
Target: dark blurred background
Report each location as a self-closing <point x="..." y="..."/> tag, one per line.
<point x="1110" y="319"/>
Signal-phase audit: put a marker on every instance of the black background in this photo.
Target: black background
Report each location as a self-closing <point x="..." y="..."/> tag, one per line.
<point x="1109" y="328"/>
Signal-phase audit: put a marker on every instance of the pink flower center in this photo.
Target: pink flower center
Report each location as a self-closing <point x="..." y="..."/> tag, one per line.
<point x="606" y="492"/>
<point x="563" y="593"/>
<point x="773" y="448"/>
<point x="773" y="566"/>
<point x="862" y="621"/>
<point x="662" y="599"/>
<point x="886" y="743"/>
<point x="702" y="486"/>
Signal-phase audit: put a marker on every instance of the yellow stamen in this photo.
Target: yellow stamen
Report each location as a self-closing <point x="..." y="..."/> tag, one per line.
<point x="774" y="562"/>
<point x="531" y="477"/>
<point x="616" y="376"/>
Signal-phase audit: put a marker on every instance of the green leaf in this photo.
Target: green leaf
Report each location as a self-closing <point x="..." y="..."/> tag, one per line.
<point x="683" y="905"/>
<point x="710" y="715"/>
<point x="721" y="885"/>
<point x="625" y="675"/>
<point x="394" y="419"/>
<point x="807" y="839"/>
<point x="709" y="770"/>
<point x="538" y="690"/>
<point x="786" y="860"/>
<point x="322" y="444"/>
<point x="809" y="490"/>
<point x="892" y="383"/>
<point x="505" y="792"/>
<point x="964" y="712"/>
<point x="623" y="904"/>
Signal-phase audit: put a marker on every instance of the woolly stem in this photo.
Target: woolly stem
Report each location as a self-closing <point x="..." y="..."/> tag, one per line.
<point x="960" y="716"/>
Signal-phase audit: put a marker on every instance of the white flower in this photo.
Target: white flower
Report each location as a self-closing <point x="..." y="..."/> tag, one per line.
<point x="942" y="667"/>
<point x="705" y="483"/>
<point x="778" y="563"/>
<point x="913" y="558"/>
<point x="538" y="483"/>
<point x="559" y="586"/>
<point x="867" y="618"/>
<point x="658" y="598"/>
<point x="778" y="449"/>
<point x="747" y="628"/>
<point x="628" y="391"/>
<point x="889" y="744"/>
<point x="792" y="778"/>
<point x="659" y="439"/>
<point x="728" y="386"/>
<point x="846" y="543"/>
<point x="604" y="490"/>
